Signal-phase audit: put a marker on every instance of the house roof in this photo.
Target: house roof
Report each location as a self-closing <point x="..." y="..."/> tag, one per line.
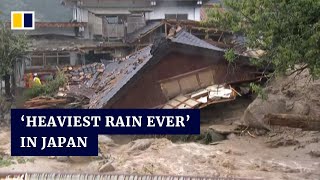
<point x="186" y="38"/>
<point x="150" y="27"/>
<point x="45" y="10"/>
<point x="119" y="73"/>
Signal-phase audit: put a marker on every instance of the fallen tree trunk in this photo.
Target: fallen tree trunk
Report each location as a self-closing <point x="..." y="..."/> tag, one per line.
<point x="293" y="120"/>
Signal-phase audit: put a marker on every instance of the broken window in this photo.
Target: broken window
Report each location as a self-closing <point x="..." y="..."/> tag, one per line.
<point x="177" y="16"/>
<point x="170" y="16"/>
<point x="182" y="16"/>
<point x="63" y="58"/>
<point x="37" y="60"/>
<point x="51" y="59"/>
<point x="113" y="20"/>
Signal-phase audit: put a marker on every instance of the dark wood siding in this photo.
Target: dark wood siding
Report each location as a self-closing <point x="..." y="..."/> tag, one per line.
<point x="146" y="92"/>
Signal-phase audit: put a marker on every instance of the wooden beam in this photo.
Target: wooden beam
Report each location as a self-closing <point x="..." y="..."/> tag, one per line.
<point x="166" y="29"/>
<point x="293" y="120"/>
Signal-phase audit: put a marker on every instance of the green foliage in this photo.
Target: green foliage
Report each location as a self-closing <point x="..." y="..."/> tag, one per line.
<point x="258" y="90"/>
<point x="288" y="31"/>
<point x="12" y="46"/>
<point x="51" y="87"/>
<point x="230" y="55"/>
<point x="4" y="162"/>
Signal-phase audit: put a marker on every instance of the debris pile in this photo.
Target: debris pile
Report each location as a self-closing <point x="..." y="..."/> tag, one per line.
<point x="116" y="75"/>
<point x="68" y="101"/>
<point x="96" y="81"/>
<point x="202" y="98"/>
<point x="214" y="92"/>
<point x="86" y="74"/>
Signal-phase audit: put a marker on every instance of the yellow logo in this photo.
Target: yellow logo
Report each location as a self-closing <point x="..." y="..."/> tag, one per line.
<point x="22" y="20"/>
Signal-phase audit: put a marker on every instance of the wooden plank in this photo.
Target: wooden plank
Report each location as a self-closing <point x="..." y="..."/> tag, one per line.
<point x="167" y="106"/>
<point x="189" y="84"/>
<point x="183" y="106"/>
<point x="173" y="103"/>
<point x="217" y="102"/>
<point x="171" y="89"/>
<point x="185" y="74"/>
<point x="192" y="103"/>
<point x="181" y="98"/>
<point x="199" y="94"/>
<point x="293" y="120"/>
<point x="206" y="78"/>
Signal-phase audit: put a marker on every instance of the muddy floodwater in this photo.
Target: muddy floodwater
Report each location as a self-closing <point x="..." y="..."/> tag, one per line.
<point x="283" y="153"/>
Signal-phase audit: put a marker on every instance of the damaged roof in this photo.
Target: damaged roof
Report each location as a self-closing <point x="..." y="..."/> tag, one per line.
<point x="117" y="74"/>
<point x="150" y="27"/>
<point x="186" y="38"/>
<point x="59" y="44"/>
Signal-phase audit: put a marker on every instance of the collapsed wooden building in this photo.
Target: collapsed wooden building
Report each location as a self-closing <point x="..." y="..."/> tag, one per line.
<point x="178" y="67"/>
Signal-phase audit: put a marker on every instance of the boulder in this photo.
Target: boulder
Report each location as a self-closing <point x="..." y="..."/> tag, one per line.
<point x="7" y="117"/>
<point x="255" y="112"/>
<point x="296" y="94"/>
<point x="103" y="139"/>
<point x="213" y="136"/>
<point x="140" y="144"/>
<point x="108" y="167"/>
<point x="62" y="158"/>
<point x="80" y="159"/>
<point x="224" y="129"/>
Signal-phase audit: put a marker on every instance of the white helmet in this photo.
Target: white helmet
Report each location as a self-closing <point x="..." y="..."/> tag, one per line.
<point x="35" y="74"/>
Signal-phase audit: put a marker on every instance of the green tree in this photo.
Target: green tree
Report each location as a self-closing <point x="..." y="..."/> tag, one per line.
<point x="288" y="31"/>
<point x="12" y="46"/>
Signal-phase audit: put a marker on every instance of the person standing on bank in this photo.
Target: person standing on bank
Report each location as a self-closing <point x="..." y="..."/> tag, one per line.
<point x="36" y="80"/>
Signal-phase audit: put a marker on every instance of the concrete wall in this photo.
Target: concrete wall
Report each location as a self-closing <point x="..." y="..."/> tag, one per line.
<point x="197" y="15"/>
<point x="135" y="22"/>
<point x="73" y="58"/>
<point x="94" y="25"/>
<point x="80" y="14"/>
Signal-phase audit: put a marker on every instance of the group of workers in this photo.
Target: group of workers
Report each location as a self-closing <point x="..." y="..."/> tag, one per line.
<point x="32" y="80"/>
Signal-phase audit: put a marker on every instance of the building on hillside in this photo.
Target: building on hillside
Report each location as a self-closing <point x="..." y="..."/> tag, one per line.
<point x="77" y="32"/>
<point x="58" y="39"/>
<point x="113" y="21"/>
<point x="173" y="67"/>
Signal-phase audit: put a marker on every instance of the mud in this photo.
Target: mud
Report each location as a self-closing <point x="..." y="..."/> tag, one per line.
<point x="296" y="94"/>
<point x="241" y="156"/>
<point x="282" y="153"/>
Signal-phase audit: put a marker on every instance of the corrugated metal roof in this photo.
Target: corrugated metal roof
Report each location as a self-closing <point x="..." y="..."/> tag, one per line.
<point x="186" y="38"/>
